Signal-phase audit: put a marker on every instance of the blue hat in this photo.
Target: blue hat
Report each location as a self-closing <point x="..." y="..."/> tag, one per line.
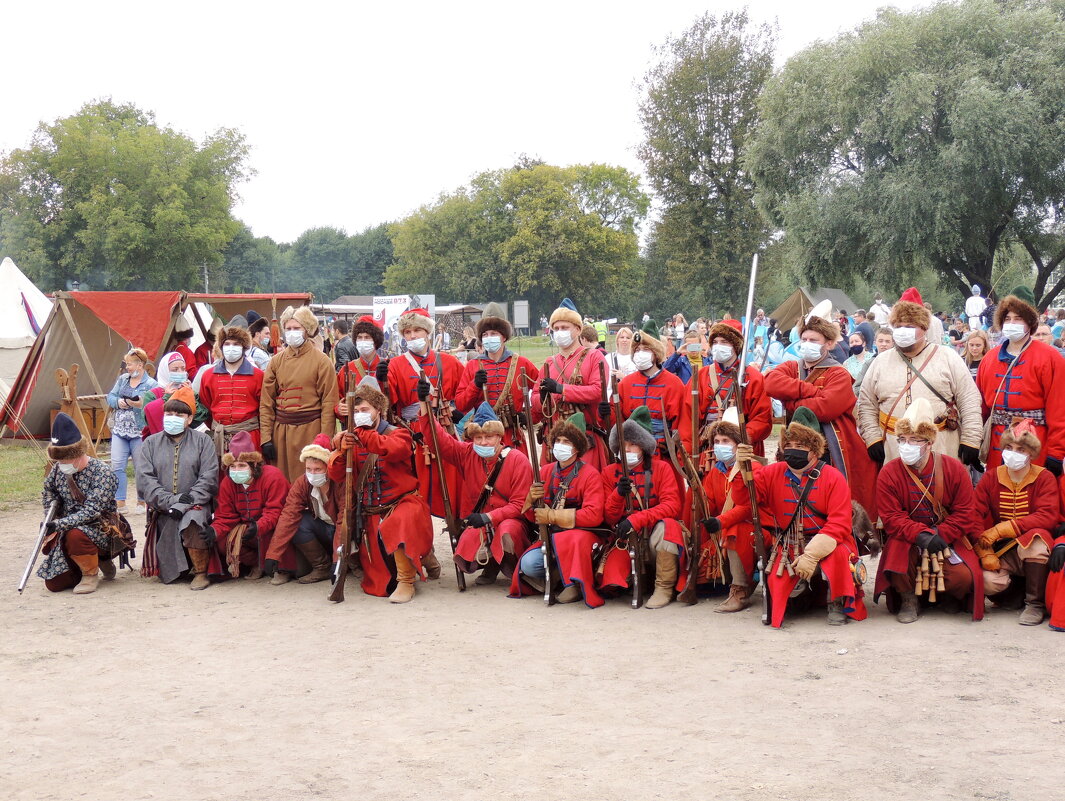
<point x="484" y="421"/>
<point x="67" y="440"/>
<point x="252" y="316"/>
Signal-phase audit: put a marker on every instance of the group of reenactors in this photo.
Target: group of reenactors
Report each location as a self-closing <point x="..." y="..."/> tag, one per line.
<point x="574" y="482"/>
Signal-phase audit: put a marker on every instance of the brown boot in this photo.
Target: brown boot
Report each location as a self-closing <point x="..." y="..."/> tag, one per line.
<point x="1035" y="587"/>
<point x="909" y="609"/>
<point x="836" y="617"/>
<point x="404" y="590"/>
<point x="90" y="575"/>
<point x="280" y="578"/>
<point x="107" y="569"/>
<point x="254" y="574"/>
<point x="316" y="555"/>
<point x="665" y="580"/>
<point x="488" y="574"/>
<point x="739" y="598"/>
<point x="199" y="558"/>
<point x="431" y="565"/>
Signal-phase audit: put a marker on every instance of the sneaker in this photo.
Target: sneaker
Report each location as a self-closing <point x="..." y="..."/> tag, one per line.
<point x="140" y="508"/>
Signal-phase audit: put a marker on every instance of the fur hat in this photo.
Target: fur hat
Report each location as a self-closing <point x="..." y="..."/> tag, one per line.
<point x="804" y="431"/>
<point x="241" y="449"/>
<point x="319" y="449"/>
<point x="237" y="334"/>
<point x="918" y="421"/>
<point x="494" y="317"/>
<point x="648" y="341"/>
<point x="484" y="421"/>
<point x="826" y="328"/>
<point x="67" y="441"/>
<point x="370" y="391"/>
<point x="726" y="429"/>
<point x="1021" y="434"/>
<point x="182" y="328"/>
<point x="258" y="325"/>
<point x="186" y="396"/>
<point x="910" y="312"/>
<point x="567" y="312"/>
<point x="368" y="325"/>
<point x="637" y="432"/>
<point x="573" y="429"/>
<point x="302" y="315"/>
<point x="727" y="331"/>
<point x="1012" y="303"/>
<point x="415" y="318"/>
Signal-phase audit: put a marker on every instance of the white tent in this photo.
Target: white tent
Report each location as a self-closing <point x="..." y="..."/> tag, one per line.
<point x="23" y="311"/>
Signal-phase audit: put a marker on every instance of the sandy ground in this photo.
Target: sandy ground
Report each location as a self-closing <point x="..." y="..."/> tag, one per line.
<point x="247" y="691"/>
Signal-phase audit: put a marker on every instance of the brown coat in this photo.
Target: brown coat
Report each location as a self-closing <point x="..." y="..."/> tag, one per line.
<point x="298" y="502"/>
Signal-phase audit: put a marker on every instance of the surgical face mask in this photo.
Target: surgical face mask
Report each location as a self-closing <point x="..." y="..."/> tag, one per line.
<point x="856" y="350"/>
<point x="67" y="468"/>
<point x="1014" y="331"/>
<point x="722" y="353"/>
<point x="724" y="453"/>
<point x="909" y="453"/>
<point x="485" y="451"/>
<point x="240" y="476"/>
<point x="362" y="419"/>
<point x="173" y="424"/>
<point x="492" y="344"/>
<point x="809" y="351"/>
<point x="562" y="452"/>
<point x="904" y="337"/>
<point x="232" y="353"/>
<point x="417" y="345"/>
<point x="316" y="479"/>
<point x="265" y="341"/>
<point x="1014" y="461"/>
<point x="633" y="459"/>
<point x="563" y="338"/>
<point x="364" y="348"/>
<point x="294" y="338"/>
<point x="643" y="359"/>
<point x="693" y="347"/>
<point x="796" y="458"/>
<point x="179" y="378"/>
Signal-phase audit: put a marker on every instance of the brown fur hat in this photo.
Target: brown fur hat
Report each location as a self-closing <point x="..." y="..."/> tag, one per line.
<point x="804" y="431"/>
<point x="572" y="429"/>
<point x="415" y="318"/>
<point x="725" y="429"/>
<point x="302" y="315"/>
<point x="657" y="347"/>
<point x="907" y="314"/>
<point x="727" y="332"/>
<point x="241" y="449"/>
<point x="370" y="391"/>
<point x="484" y="421"/>
<point x="567" y="312"/>
<point x="238" y="335"/>
<point x="1022" y="435"/>
<point x="918" y="421"/>
<point x="258" y="326"/>
<point x="826" y="328"/>
<point x="366" y="325"/>
<point x="1012" y="303"/>
<point x="495" y="318"/>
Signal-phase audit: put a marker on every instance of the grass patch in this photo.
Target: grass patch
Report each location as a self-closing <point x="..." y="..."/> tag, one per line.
<point x="21" y="475"/>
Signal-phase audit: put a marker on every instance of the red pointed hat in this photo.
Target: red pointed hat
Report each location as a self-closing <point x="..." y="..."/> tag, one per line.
<point x="366" y="318"/>
<point x="913" y="296"/>
<point x="734" y="323"/>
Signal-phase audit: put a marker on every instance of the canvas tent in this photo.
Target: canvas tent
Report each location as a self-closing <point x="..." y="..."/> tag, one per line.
<point x="23" y="310"/>
<point x="95" y="330"/>
<point x="801" y="301"/>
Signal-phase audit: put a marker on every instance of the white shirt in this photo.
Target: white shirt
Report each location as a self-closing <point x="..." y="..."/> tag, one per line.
<point x="881" y="313"/>
<point x="975" y="306"/>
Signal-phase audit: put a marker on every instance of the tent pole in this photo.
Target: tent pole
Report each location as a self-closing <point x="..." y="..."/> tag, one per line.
<point x="199" y="322"/>
<point x="61" y="302"/>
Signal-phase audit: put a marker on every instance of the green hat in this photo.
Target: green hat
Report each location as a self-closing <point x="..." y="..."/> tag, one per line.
<point x="650" y="327"/>
<point x="577" y="419"/>
<point x="1025" y="294"/>
<point x="641" y="415"/>
<point x="804" y="417"/>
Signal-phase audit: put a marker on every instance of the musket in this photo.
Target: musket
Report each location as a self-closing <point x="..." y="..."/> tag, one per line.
<point x="546" y="545"/>
<point x="351" y="515"/>
<point x="41" y="534"/>
<point x="745" y="465"/>
<point x="684" y="466"/>
<point x="689" y="595"/>
<point x="635" y="561"/>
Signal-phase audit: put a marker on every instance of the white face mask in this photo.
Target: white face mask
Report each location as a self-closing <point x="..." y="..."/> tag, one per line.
<point x="492" y="344"/>
<point x="294" y="338"/>
<point x="810" y="351"/>
<point x="364" y="348"/>
<point x="643" y="359"/>
<point x="1014" y="460"/>
<point x="173" y="424"/>
<point x="563" y="338"/>
<point x="722" y="354"/>
<point x="265" y="342"/>
<point x="633" y="459"/>
<point x="417" y="345"/>
<point x="1014" y="331"/>
<point x="904" y="337"/>
<point x="316" y="479"/>
<point x="232" y="353"/>
<point x="909" y="453"/>
<point x="562" y="452"/>
<point x="67" y="468"/>
<point x="362" y="419"/>
<point x="692" y="347"/>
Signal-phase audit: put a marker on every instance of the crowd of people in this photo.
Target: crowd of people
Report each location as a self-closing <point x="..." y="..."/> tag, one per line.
<point x="575" y="478"/>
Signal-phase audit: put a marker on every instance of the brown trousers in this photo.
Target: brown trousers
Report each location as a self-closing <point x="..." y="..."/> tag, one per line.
<point x="956" y="578"/>
<point x="75" y="543"/>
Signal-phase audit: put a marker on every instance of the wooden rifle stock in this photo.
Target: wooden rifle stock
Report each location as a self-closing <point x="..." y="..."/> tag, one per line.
<point x="352" y="516"/>
<point x="534" y="457"/>
<point x="689" y="594"/>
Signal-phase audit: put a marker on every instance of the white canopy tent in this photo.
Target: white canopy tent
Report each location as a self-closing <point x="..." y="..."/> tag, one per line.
<point x="23" y="312"/>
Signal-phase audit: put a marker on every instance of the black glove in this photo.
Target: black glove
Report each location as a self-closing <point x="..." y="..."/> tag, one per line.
<point x="550" y="385"/>
<point x="623" y="528"/>
<point x="876" y="452"/>
<point x="1057" y="559"/>
<point x="185" y="498"/>
<point x="1051" y="464"/>
<point x="712" y="525"/>
<point x="456" y="416"/>
<point x="269" y="450"/>
<point x="970" y="457"/>
<point x="382" y="371"/>
<point x="604" y="411"/>
<point x="175" y="514"/>
<point x="624" y="487"/>
<point x="478" y="520"/>
<point x="1059" y="530"/>
<point x="931" y="542"/>
<point x="251" y="531"/>
<point x="423" y="389"/>
<point x="269" y="567"/>
<point x="209" y="535"/>
<point x="480" y="378"/>
<point x="51" y="528"/>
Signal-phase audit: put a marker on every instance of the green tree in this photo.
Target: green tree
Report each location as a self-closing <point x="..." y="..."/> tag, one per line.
<point x="698" y="112"/>
<point x="108" y="197"/>
<point x="931" y="139"/>
<point x="316" y="261"/>
<point x="250" y="264"/>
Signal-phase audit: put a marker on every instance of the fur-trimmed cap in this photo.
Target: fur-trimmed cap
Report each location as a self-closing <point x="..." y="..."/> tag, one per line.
<point x="910" y="312"/>
<point x="656" y="345"/>
<point x="1022" y="435"/>
<point x="370" y="391"/>
<point x="826" y="328"/>
<point x="726" y="429"/>
<point x="918" y="421"/>
<point x="567" y="312"/>
<point x="319" y="449"/>
<point x="302" y="315"/>
<point x="241" y="449"/>
<point x="804" y="431"/>
<point x="67" y="441"/>
<point x="729" y="332"/>
<point x="1012" y="303"/>
<point x="238" y="335"/>
<point x="484" y="421"/>
<point x="368" y="325"/>
<point x="182" y="328"/>
<point x="415" y="318"/>
<point x="494" y="317"/>
<point x="258" y="325"/>
<point x="637" y="432"/>
<point x="573" y="429"/>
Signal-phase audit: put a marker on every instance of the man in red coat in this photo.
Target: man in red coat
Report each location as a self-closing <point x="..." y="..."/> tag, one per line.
<point x="716" y="385"/>
<point x="649" y="501"/>
<point x="823" y="385"/>
<point x="1019" y="507"/>
<point x="396" y="527"/>
<point x="926" y="502"/>
<point x="1055" y="592"/>
<point x="807" y="503"/>
<point x="573" y="502"/>
<point x="1023" y="378"/>
<point x="250" y="501"/>
<point x="231" y="390"/>
<point x="493" y="495"/>
<point x="494" y="377"/>
<point x="570" y="382"/>
<point x="368" y="338"/>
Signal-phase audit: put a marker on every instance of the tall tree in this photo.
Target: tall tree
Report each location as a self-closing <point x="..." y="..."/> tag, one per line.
<point x="110" y="198"/>
<point x="698" y="112"/>
<point x="926" y="139"/>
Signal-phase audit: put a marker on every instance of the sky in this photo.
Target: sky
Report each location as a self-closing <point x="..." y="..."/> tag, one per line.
<point x="358" y="115"/>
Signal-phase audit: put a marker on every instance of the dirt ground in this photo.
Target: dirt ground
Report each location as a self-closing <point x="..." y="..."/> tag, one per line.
<point x="247" y="691"/>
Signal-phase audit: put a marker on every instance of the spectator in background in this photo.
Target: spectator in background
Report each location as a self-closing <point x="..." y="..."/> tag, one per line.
<point x="974" y="309"/>
<point x="128" y="398"/>
<point x="844" y="323"/>
<point x="260" y="342"/>
<point x="470" y="343"/>
<point x="589" y="337"/>
<point x="1043" y="334"/>
<point x="935" y="326"/>
<point x="620" y="361"/>
<point x="442" y="340"/>
<point x="884" y="339"/>
<point x="880" y="311"/>
<point x="1058" y="329"/>
<point x="860" y="355"/>
<point x="976" y="348"/>
<point x="687" y="361"/>
<point x="343" y="348"/>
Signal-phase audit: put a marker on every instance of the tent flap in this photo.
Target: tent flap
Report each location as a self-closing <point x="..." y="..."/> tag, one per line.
<point x="141" y="317"/>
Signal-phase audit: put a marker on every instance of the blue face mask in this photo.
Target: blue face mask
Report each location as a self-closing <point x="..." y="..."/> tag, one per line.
<point x="492" y="344"/>
<point x="724" y="453"/>
<point x="484" y="451"/>
<point x="173" y="424"/>
<point x="179" y="378"/>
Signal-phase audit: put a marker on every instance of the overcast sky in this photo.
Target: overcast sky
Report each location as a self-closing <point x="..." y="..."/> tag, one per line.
<point x="357" y="116"/>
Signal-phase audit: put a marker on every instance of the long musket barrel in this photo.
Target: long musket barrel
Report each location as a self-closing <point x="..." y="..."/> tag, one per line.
<point x="41" y="534"/>
<point x="336" y="595"/>
<point x="534" y="458"/>
<point x="635" y="565"/>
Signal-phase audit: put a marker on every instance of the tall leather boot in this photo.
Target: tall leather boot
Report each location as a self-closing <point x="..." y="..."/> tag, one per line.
<point x="665" y="580"/>
<point x="404" y="590"/>
<point x="108" y="571"/>
<point x="90" y="574"/>
<point x="431" y="565"/>
<point x="739" y="598"/>
<point x="319" y="560"/>
<point x="909" y="609"/>
<point x="1035" y="588"/>
<point x="488" y="574"/>
<point x="199" y="558"/>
